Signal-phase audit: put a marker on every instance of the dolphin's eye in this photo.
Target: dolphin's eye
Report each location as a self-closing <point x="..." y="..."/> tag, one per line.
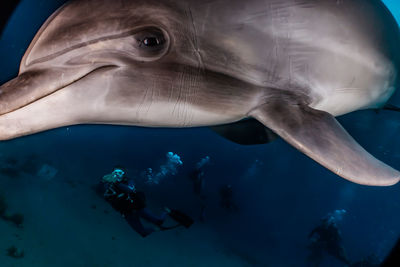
<point x="151" y="43"/>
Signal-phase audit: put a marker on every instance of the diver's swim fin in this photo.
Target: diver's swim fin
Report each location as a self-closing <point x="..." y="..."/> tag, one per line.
<point x="180" y="217"/>
<point x="318" y="135"/>
<point x="165" y="228"/>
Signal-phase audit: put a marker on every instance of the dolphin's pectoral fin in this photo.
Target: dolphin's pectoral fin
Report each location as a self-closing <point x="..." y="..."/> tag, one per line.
<point x="246" y="132"/>
<point x="318" y="135"/>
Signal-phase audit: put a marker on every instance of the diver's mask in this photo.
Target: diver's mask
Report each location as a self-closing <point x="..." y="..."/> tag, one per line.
<point x="118" y="174"/>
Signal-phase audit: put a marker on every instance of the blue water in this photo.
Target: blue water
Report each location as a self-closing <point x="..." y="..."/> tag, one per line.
<point x="281" y="193"/>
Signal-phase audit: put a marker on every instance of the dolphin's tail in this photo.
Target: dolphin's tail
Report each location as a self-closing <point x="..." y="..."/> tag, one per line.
<point x="318" y="135"/>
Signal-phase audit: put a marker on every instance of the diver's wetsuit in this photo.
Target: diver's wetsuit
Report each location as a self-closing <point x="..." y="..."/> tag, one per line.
<point x="326" y="237"/>
<point x="226" y="194"/>
<point x="132" y="205"/>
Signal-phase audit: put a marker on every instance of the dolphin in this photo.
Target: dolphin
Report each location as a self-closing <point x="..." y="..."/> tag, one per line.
<point x="252" y="70"/>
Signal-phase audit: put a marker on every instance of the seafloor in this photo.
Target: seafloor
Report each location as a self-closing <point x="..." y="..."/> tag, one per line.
<point x="281" y="196"/>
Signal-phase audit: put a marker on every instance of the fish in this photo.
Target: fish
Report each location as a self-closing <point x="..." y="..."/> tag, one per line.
<point x="251" y="70"/>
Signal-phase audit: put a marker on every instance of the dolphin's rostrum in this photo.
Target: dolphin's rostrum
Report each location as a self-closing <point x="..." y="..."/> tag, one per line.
<point x="250" y="69"/>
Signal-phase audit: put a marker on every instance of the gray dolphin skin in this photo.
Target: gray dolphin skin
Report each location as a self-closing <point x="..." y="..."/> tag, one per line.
<point x="252" y="70"/>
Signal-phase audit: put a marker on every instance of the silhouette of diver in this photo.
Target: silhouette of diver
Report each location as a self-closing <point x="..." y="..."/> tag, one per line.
<point x="226" y="195"/>
<point x="326" y="237"/>
<point x="197" y="177"/>
<point x="121" y="193"/>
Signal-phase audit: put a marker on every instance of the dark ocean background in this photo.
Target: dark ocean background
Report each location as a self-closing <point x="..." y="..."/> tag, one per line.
<point x="281" y="194"/>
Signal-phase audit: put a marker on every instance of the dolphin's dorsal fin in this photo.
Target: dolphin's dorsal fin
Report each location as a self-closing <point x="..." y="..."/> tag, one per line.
<point x="246" y="132"/>
<point x="318" y="135"/>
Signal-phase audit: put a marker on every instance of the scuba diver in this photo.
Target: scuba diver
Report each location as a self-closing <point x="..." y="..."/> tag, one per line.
<point x="326" y="237"/>
<point x="197" y="177"/>
<point x="121" y="193"/>
<point x="226" y="195"/>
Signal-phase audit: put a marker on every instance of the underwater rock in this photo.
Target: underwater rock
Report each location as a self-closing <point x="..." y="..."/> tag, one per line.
<point x="13" y="168"/>
<point x="9" y="167"/>
<point x="47" y="172"/>
<point x="16" y="218"/>
<point x="14" y="252"/>
<point x="3" y="206"/>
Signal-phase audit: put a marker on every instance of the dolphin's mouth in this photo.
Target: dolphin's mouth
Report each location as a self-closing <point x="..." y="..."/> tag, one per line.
<point x="33" y="85"/>
<point x="47" y="105"/>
